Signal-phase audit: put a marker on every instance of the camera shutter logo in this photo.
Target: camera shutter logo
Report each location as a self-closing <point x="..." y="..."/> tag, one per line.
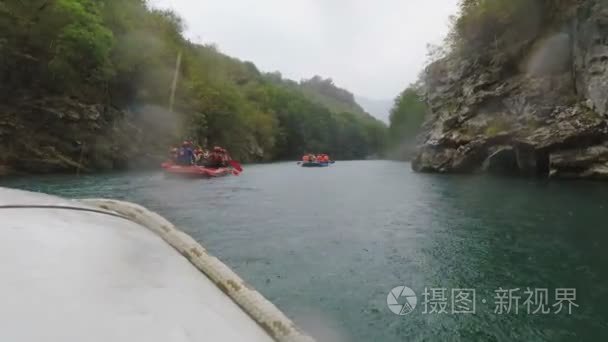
<point x="401" y="300"/>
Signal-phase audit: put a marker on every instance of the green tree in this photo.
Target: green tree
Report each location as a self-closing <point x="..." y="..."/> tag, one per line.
<point x="407" y="116"/>
<point x="82" y="46"/>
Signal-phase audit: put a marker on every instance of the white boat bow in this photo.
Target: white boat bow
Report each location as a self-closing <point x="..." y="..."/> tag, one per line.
<point x="104" y="270"/>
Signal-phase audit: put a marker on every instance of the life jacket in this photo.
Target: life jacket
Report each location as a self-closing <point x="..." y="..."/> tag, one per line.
<point x="217" y="157"/>
<point x="185" y="156"/>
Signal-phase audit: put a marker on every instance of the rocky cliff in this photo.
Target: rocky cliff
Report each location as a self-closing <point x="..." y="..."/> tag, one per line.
<point x="46" y="134"/>
<point x="537" y="108"/>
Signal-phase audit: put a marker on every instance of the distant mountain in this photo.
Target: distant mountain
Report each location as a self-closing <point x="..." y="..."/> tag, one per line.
<point x="323" y="91"/>
<point x="380" y="109"/>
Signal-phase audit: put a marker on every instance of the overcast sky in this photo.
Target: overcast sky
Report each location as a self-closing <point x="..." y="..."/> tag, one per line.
<point x="374" y="48"/>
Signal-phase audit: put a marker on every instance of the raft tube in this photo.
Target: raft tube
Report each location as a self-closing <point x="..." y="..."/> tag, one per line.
<point x="103" y="270"/>
<point x="316" y="164"/>
<point x="197" y="171"/>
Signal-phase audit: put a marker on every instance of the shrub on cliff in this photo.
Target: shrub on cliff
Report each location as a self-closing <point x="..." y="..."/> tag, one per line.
<point x="488" y="26"/>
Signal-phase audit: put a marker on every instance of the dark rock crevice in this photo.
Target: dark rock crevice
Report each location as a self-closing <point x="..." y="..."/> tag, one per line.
<point x="502" y="162"/>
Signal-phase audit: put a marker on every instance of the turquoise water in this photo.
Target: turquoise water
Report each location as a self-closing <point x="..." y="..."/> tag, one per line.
<point x="327" y="245"/>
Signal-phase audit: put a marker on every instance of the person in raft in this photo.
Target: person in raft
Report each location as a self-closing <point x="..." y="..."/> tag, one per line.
<point x="217" y="158"/>
<point x="199" y="156"/>
<point x="185" y="154"/>
<point x="305" y="158"/>
<point x="173" y="154"/>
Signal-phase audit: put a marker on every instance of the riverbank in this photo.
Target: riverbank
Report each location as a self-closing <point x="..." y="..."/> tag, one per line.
<point x="64" y="135"/>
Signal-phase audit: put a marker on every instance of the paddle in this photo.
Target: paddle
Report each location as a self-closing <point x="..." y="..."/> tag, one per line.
<point x="236" y="165"/>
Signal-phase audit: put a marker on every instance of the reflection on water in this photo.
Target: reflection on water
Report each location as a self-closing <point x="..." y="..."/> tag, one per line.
<point x="327" y="245"/>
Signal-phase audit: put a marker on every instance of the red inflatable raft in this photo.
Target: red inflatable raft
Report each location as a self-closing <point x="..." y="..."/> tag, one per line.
<point x="197" y="171"/>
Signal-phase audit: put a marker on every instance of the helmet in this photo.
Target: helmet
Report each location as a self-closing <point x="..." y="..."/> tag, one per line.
<point x="217" y="149"/>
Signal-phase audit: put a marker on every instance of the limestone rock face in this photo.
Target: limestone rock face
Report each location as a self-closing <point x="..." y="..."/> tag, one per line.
<point x="544" y="112"/>
<point x="589" y="162"/>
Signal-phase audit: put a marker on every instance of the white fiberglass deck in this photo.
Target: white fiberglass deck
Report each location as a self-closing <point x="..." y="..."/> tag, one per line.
<point x="73" y="276"/>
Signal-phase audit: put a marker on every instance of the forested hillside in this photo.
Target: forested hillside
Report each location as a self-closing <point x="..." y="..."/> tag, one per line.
<point x="324" y="91"/>
<point x="364" y="132"/>
<point x="86" y="85"/>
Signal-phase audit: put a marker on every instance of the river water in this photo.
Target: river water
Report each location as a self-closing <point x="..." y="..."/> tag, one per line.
<point x="328" y="245"/>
